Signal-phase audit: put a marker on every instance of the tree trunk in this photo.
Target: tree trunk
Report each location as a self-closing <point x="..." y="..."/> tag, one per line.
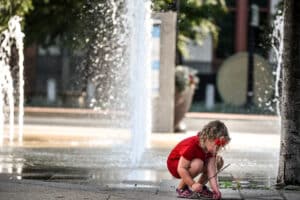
<point x="289" y="164"/>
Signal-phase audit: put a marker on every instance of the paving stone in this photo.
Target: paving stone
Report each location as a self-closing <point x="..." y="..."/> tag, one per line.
<point x="292" y="187"/>
<point x="36" y="190"/>
<point x="230" y="194"/>
<point x="260" y="194"/>
<point x="141" y="194"/>
<point x="168" y="185"/>
<point x="15" y="191"/>
<point x="291" y="195"/>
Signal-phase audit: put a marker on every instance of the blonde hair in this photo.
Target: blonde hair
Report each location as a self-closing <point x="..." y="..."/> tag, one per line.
<point x="213" y="130"/>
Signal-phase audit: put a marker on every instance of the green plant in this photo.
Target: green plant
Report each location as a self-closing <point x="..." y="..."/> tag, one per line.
<point x="226" y="184"/>
<point x="185" y="77"/>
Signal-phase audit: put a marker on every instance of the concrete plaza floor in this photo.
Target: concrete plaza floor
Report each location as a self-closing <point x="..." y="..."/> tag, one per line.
<point x="37" y="190"/>
<point x="71" y="158"/>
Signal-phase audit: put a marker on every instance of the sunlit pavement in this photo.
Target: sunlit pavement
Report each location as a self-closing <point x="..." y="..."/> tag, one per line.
<point x="71" y="158"/>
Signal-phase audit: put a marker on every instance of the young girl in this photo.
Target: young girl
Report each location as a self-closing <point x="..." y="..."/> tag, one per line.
<point x="198" y="154"/>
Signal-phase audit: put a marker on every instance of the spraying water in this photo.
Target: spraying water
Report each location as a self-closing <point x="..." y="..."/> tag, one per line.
<point x="11" y="41"/>
<point x="118" y="65"/>
<point x="277" y="44"/>
<point x="104" y="66"/>
<point x="140" y="23"/>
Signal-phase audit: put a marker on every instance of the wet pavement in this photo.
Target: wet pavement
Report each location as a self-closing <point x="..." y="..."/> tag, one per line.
<point x="37" y="190"/>
<point x="80" y="161"/>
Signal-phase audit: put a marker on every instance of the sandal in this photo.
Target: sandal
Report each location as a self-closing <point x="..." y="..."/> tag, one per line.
<point x="186" y="193"/>
<point x="205" y="193"/>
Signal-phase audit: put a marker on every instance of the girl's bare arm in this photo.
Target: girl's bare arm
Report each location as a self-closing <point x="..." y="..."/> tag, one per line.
<point x="211" y="171"/>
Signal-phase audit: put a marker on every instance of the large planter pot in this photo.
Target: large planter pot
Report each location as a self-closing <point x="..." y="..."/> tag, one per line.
<point x="183" y="101"/>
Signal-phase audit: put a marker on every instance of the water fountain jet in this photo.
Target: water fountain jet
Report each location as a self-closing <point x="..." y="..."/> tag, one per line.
<point x="118" y="65"/>
<point x="11" y="41"/>
<point x="277" y="47"/>
<point x="140" y="66"/>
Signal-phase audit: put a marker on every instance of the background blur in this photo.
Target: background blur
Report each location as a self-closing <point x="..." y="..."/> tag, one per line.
<point x="54" y="75"/>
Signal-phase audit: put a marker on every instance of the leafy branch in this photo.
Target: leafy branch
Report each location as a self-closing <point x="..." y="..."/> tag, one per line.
<point x="196" y="19"/>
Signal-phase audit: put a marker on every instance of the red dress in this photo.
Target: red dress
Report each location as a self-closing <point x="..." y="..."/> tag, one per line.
<point x="188" y="148"/>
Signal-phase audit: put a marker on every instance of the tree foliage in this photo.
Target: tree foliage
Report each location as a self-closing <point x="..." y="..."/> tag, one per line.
<point x="196" y="18"/>
<point x="47" y="20"/>
<point x="53" y="20"/>
<point x="9" y="8"/>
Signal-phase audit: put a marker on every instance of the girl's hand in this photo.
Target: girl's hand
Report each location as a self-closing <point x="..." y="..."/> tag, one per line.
<point x="197" y="187"/>
<point x="220" y="162"/>
<point x="217" y="195"/>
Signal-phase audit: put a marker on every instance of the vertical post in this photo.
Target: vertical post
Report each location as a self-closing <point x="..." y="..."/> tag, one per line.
<point x="210" y="96"/>
<point x="254" y="23"/>
<point x="65" y="69"/>
<point x="241" y="25"/>
<point x="51" y="90"/>
<point x="178" y="59"/>
<point x="177" y="6"/>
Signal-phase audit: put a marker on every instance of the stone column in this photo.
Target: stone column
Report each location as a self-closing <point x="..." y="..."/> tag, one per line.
<point x="163" y="104"/>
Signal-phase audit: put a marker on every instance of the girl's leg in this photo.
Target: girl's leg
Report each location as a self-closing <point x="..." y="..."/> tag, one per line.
<point x="203" y="178"/>
<point x="195" y="169"/>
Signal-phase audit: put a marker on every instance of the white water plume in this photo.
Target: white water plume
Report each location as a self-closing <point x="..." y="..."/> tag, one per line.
<point x="10" y="39"/>
<point x="117" y="67"/>
<point x="114" y="10"/>
<point x="277" y="44"/>
<point x="140" y="23"/>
